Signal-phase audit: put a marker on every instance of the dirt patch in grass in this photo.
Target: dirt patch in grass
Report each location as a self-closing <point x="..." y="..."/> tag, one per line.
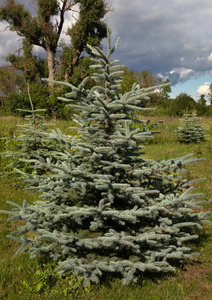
<point x="197" y="281"/>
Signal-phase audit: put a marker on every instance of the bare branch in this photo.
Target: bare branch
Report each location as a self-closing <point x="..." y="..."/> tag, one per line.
<point x="69" y="6"/>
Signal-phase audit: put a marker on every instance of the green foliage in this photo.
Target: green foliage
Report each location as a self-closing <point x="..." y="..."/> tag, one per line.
<point x="14" y="13"/>
<point x="201" y="106"/>
<point x="10" y="82"/>
<point x="80" y="72"/>
<point x="75" y="287"/>
<point x="134" y="216"/>
<point x="19" y="101"/>
<point x="128" y="81"/>
<point x="87" y="30"/>
<point x="31" y="142"/>
<point x="182" y="103"/>
<point x="54" y="108"/>
<point x="146" y="79"/>
<point x="191" y="130"/>
<point x="48" y="8"/>
<point x="32" y="67"/>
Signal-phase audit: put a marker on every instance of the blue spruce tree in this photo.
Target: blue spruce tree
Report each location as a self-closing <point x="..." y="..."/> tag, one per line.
<point x="33" y="141"/>
<point x="104" y="207"/>
<point x="191" y="131"/>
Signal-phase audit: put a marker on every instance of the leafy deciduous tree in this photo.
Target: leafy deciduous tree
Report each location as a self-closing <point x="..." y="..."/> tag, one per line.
<point x="182" y="103"/>
<point x="10" y="81"/>
<point x="201" y="105"/>
<point x="210" y="93"/>
<point x="45" y="29"/>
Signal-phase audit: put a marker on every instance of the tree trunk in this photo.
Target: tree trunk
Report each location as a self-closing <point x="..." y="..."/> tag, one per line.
<point x="51" y="65"/>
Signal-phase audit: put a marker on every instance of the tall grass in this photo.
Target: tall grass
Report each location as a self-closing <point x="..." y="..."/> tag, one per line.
<point x="23" y="278"/>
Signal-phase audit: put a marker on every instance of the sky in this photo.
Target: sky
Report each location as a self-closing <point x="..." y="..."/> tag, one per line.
<point x="170" y="38"/>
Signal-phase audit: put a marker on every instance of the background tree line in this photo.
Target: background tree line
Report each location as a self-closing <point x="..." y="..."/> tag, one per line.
<point x="161" y="99"/>
<point x="43" y="27"/>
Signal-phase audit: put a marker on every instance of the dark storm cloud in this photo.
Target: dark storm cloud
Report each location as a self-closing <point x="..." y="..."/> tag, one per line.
<point x="9" y="42"/>
<point x="171" y="38"/>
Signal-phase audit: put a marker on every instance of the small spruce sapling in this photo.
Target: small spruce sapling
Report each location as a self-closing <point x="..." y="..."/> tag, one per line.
<point x="132" y="215"/>
<point x="34" y="141"/>
<point x="191" y="130"/>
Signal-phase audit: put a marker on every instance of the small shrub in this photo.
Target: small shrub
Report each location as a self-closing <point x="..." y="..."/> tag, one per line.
<point x="191" y="130"/>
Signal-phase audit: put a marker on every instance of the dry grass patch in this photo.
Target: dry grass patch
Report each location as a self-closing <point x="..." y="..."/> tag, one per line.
<point x="195" y="279"/>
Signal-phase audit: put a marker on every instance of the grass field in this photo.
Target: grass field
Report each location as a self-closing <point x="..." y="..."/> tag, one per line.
<point x="23" y="278"/>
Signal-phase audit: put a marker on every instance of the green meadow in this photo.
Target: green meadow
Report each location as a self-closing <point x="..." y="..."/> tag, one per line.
<point x="24" y="278"/>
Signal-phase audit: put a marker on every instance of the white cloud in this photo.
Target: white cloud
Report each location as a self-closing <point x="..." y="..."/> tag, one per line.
<point x="205" y="49"/>
<point x="203" y="89"/>
<point x="210" y="56"/>
<point x="182" y="72"/>
<point x="163" y="77"/>
<point x="9" y="41"/>
<point x="189" y="46"/>
<point x="185" y="72"/>
<point x="198" y="59"/>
